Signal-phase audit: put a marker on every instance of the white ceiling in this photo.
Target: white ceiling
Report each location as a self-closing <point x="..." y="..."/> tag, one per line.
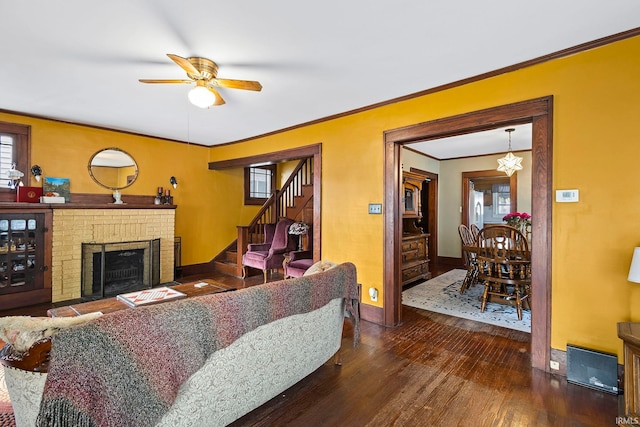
<point x="495" y="141"/>
<point x="80" y="61"/>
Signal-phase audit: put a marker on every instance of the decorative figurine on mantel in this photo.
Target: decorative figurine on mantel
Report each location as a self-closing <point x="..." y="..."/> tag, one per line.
<point x="15" y="177"/>
<point x="117" y="198"/>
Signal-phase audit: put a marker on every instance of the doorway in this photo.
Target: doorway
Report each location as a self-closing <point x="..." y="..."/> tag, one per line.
<point x="487" y="196"/>
<point x="538" y="112"/>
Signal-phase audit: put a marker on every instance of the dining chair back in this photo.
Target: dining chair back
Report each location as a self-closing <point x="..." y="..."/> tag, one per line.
<point x="475" y="230"/>
<point x="468" y="256"/>
<point x="504" y="265"/>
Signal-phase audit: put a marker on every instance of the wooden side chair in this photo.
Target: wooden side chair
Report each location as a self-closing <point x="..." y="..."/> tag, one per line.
<point x="469" y="257"/>
<point x="475" y="230"/>
<point x="504" y="264"/>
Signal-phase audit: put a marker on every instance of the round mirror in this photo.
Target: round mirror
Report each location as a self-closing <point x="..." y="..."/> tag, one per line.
<point x="113" y="168"/>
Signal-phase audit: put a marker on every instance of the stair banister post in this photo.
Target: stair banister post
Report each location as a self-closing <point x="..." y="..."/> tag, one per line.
<point x="243" y="242"/>
<point x="277" y="209"/>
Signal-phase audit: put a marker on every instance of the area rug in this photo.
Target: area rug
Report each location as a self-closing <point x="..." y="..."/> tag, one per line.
<point x="442" y="295"/>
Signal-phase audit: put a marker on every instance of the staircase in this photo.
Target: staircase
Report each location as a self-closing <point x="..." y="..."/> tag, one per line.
<point x="294" y="200"/>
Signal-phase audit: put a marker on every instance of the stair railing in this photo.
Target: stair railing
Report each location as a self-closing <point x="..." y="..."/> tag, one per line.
<point x="274" y="208"/>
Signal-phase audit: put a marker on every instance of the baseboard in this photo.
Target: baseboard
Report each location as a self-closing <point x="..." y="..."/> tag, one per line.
<point x="372" y="314"/>
<point x="559" y="356"/>
<point x="194" y="269"/>
<point x="446" y="260"/>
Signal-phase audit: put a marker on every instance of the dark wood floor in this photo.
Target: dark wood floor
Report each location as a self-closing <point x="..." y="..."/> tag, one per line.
<point x="432" y="370"/>
<point x="435" y="370"/>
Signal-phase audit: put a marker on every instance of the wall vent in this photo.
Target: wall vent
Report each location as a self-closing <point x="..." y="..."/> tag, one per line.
<point x="593" y="369"/>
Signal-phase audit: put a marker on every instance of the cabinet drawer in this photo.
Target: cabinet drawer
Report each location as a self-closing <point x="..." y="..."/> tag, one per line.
<point x="414" y="271"/>
<point x="410" y="245"/>
<point x="414" y="250"/>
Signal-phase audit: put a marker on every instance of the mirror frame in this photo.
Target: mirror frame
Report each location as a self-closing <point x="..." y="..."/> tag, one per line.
<point x="135" y="165"/>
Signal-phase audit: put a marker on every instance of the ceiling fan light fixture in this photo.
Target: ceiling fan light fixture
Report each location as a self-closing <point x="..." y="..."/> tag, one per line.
<point x="200" y="96"/>
<point x="509" y="163"/>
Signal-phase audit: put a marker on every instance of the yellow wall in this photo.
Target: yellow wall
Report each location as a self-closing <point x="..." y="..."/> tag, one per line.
<point x="595" y="150"/>
<point x="64" y="150"/>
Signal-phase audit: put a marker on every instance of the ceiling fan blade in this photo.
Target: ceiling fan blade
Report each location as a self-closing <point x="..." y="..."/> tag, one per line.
<point x="164" y="81"/>
<point x="237" y="84"/>
<point x="219" y="100"/>
<point x="185" y="65"/>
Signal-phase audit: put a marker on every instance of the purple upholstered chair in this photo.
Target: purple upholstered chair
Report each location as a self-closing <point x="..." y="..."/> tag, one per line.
<point x="269" y="255"/>
<point x="299" y="262"/>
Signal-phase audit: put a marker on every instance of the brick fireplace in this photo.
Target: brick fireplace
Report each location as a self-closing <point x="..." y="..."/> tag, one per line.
<point x="73" y="227"/>
<point x="110" y="269"/>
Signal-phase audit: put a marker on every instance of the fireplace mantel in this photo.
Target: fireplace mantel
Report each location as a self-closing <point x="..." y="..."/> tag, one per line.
<point x="89" y="201"/>
<point x="56" y="206"/>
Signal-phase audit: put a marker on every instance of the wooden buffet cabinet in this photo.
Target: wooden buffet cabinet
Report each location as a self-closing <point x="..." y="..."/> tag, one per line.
<point x="629" y="333"/>
<point x="415" y="258"/>
<point x="415" y="242"/>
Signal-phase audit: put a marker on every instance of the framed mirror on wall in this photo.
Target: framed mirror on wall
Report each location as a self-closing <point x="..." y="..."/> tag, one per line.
<point x="114" y="169"/>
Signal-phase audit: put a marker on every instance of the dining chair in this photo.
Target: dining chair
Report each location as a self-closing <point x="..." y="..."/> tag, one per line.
<point x="475" y="230"/>
<point x="469" y="256"/>
<point x="504" y="264"/>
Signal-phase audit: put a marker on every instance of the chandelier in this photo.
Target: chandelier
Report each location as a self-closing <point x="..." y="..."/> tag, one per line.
<point x="509" y="163"/>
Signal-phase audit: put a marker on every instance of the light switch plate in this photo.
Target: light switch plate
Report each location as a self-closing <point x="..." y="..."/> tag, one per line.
<point x="375" y="208"/>
<point x="567" y="196"/>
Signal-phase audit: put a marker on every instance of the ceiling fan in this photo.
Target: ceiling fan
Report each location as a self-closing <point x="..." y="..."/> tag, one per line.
<point x="203" y="72"/>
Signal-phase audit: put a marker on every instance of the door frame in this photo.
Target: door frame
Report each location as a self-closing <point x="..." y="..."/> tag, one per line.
<point x="538" y="112"/>
<point x="468" y="177"/>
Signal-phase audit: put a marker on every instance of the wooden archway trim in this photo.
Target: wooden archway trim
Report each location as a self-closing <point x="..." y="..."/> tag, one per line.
<point x="539" y="113"/>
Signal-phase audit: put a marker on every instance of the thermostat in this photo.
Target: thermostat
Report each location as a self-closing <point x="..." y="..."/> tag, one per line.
<point x="567" y="195"/>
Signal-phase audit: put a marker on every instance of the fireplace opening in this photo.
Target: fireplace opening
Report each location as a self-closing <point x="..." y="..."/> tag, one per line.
<point x="110" y="269"/>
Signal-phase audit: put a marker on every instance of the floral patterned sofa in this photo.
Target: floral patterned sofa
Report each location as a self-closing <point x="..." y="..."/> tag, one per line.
<point x="200" y="361"/>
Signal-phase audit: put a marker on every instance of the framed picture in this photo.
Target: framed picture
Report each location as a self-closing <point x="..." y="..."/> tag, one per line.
<point x="60" y="187"/>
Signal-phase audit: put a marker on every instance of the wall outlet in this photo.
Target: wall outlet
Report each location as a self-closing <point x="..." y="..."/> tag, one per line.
<point x="375" y="208"/>
<point x="554" y="365"/>
<point x="373" y="294"/>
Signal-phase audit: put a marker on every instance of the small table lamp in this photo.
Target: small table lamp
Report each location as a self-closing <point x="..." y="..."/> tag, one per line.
<point x="634" y="270"/>
<point x="299" y="229"/>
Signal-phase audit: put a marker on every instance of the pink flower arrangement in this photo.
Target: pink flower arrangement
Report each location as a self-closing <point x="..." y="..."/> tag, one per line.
<point x="517" y="219"/>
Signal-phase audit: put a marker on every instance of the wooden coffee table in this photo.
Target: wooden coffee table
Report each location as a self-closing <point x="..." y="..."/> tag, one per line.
<point x="109" y="305"/>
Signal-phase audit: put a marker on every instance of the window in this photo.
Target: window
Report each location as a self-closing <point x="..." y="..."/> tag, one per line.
<point x="14" y="147"/>
<point x="501" y="199"/>
<point x="259" y="184"/>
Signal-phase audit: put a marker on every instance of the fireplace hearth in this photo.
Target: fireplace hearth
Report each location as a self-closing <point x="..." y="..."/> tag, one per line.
<point x="110" y="269"/>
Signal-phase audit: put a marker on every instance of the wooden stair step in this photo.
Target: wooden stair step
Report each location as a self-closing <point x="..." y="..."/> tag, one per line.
<point x="231" y="256"/>
<point x="226" y="268"/>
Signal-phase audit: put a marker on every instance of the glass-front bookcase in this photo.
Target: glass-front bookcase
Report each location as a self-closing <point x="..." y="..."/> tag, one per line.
<point x="21" y="253"/>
